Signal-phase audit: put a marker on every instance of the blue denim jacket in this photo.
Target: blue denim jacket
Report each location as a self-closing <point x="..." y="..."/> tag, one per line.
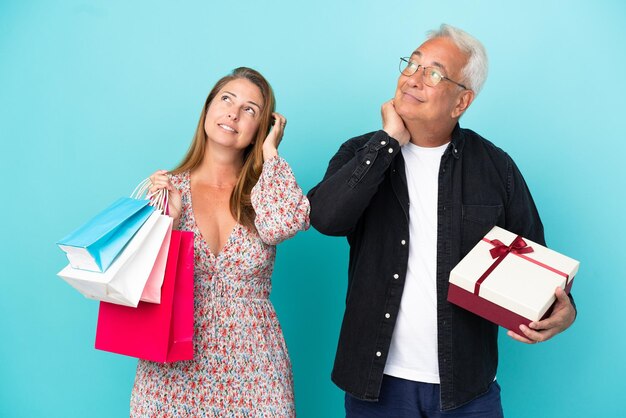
<point x="364" y="196"/>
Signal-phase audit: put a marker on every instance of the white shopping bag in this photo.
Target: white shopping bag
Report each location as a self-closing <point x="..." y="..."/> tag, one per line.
<point x="124" y="281"/>
<point x="152" y="290"/>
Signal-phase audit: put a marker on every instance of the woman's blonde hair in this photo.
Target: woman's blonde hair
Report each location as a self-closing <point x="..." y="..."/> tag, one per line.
<point x="240" y="202"/>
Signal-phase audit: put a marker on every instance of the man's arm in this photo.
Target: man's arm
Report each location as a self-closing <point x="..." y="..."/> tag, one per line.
<point x="350" y="182"/>
<point x="354" y="174"/>
<point x="522" y="218"/>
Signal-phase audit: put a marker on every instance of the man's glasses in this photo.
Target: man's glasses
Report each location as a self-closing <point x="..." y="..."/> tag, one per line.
<point x="431" y="76"/>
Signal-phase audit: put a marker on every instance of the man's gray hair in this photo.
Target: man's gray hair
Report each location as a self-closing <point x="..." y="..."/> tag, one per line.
<point x="475" y="71"/>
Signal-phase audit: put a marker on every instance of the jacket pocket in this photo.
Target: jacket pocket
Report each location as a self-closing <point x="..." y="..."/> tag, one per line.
<point x="477" y="221"/>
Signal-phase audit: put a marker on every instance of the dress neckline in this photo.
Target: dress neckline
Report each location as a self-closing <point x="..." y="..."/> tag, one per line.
<point x="196" y="228"/>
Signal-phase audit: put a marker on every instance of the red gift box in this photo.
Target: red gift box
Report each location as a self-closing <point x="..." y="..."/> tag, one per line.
<point x="509" y="279"/>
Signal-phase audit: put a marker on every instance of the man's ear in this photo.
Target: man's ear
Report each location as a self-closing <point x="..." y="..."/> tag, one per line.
<point x="464" y="101"/>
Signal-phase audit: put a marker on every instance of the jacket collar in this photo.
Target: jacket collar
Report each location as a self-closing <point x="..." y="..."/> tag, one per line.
<point x="456" y="142"/>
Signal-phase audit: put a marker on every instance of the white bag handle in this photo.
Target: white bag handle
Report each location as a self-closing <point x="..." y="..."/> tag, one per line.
<point x="141" y="189"/>
<point x="159" y="200"/>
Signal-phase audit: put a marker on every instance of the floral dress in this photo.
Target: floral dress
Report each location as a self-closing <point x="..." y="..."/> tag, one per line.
<point x="241" y="367"/>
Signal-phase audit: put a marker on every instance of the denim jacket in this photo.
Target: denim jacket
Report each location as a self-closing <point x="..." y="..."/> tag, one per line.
<point x="364" y="197"/>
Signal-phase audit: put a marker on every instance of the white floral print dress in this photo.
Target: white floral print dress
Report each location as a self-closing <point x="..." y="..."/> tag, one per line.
<point x="241" y="367"/>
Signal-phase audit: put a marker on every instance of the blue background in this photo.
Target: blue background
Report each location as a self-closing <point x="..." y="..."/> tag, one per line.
<point x="96" y="95"/>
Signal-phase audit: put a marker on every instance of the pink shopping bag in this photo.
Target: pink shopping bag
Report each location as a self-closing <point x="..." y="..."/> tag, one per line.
<point x="152" y="290"/>
<point x="163" y="332"/>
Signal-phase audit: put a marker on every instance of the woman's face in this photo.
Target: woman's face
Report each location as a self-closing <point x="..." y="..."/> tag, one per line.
<point x="233" y="116"/>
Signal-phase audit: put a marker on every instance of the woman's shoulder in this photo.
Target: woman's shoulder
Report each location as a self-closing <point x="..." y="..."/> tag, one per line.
<point x="179" y="179"/>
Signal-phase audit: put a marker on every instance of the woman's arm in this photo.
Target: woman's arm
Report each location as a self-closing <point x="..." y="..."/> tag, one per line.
<point x="280" y="206"/>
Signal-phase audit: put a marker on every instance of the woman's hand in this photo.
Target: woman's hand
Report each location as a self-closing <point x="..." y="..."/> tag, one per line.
<point x="270" y="145"/>
<point x="159" y="181"/>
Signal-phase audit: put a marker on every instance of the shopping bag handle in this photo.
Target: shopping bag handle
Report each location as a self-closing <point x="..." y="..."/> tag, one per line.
<point x="158" y="200"/>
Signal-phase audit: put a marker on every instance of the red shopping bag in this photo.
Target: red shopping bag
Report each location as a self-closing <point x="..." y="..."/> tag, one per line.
<point x="157" y="332"/>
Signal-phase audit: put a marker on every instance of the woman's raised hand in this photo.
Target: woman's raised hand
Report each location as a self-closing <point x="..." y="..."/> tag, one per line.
<point x="270" y="145"/>
<point x="159" y="181"/>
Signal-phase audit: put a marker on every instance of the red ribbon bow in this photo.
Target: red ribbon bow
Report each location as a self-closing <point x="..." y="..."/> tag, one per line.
<point x="518" y="246"/>
<point x="500" y="251"/>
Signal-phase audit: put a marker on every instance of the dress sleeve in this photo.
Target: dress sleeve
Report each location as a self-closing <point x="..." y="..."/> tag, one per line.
<point x="280" y="206"/>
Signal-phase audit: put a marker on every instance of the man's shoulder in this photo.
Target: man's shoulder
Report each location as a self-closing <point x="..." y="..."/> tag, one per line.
<point x="475" y="143"/>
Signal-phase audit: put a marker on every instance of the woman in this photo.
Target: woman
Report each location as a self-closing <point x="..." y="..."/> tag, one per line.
<point x="240" y="199"/>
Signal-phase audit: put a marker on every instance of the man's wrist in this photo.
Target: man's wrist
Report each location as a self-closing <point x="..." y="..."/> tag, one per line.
<point x="401" y="137"/>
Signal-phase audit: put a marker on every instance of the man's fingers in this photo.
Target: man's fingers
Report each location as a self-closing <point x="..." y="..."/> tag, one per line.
<point x="520" y="338"/>
<point x="561" y="296"/>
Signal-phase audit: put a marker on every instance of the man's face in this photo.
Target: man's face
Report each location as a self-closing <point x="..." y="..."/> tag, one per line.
<point x="415" y="101"/>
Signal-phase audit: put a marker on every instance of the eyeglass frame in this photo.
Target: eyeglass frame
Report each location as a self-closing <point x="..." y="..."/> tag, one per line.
<point x="443" y="77"/>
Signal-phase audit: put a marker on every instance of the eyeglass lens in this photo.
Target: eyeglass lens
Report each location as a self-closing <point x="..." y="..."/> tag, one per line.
<point x="430" y="75"/>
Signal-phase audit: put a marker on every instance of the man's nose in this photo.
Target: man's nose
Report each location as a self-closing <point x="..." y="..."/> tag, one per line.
<point x="417" y="78"/>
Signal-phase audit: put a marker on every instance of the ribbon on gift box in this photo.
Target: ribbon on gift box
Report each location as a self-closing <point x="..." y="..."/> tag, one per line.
<point x="517" y="247"/>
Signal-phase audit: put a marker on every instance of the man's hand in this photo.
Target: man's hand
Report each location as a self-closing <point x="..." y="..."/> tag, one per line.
<point x="562" y="317"/>
<point x="393" y="124"/>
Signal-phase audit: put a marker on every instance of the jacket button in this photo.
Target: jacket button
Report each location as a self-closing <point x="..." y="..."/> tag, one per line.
<point x="395" y="276"/>
<point x="378" y="354"/>
<point x="367" y="162"/>
<point x="390" y="150"/>
<point x="403" y="242"/>
<point x="383" y="142"/>
<point x="387" y="316"/>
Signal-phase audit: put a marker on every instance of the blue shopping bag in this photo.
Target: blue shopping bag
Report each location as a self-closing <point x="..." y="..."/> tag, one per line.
<point x="95" y="245"/>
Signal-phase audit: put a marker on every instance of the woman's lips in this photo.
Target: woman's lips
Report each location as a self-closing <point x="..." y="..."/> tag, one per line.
<point x="227" y="128"/>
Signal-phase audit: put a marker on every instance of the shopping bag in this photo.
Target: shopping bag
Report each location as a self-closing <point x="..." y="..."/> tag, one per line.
<point x="152" y="290"/>
<point x="94" y="245"/>
<point x="163" y="332"/>
<point x="124" y="281"/>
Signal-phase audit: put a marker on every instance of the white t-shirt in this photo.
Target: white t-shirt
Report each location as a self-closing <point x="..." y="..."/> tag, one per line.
<point x="413" y="351"/>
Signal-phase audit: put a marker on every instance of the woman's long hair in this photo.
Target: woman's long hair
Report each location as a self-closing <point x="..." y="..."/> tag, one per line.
<point x="240" y="202"/>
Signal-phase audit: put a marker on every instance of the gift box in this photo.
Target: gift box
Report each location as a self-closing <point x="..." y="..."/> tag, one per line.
<point x="510" y="280"/>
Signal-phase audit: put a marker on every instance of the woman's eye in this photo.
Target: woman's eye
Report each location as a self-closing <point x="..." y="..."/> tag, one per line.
<point x="250" y="111"/>
<point x="225" y="98"/>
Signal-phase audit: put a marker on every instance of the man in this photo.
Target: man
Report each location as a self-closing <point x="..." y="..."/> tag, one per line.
<point x="413" y="199"/>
